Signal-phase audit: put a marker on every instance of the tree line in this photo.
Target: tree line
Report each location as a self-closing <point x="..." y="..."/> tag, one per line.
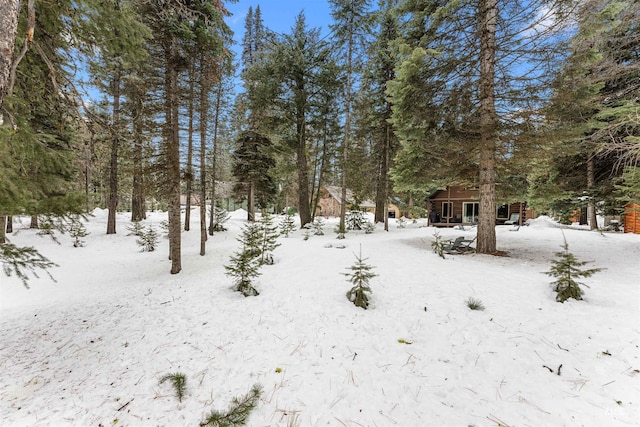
<point x="531" y="100"/>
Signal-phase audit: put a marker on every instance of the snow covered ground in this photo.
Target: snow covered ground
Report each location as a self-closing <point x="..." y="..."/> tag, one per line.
<point x="90" y="349"/>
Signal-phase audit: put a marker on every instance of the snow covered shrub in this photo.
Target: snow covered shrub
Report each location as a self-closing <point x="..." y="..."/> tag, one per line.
<point x="287" y="225"/>
<point x="474" y="304"/>
<point x="239" y="411"/>
<point x="148" y="239"/>
<point x="401" y="222"/>
<point x="566" y="269"/>
<point x="164" y="226"/>
<point x="359" y="277"/>
<point x="77" y="231"/>
<point x="178" y="381"/>
<point x="244" y="267"/>
<point x="354" y="220"/>
<point x="135" y="229"/>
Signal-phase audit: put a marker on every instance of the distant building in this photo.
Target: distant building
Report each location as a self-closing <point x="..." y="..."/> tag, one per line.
<point x="330" y="202"/>
<point x="457" y="205"/>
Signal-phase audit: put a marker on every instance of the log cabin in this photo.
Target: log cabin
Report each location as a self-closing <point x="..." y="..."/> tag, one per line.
<point x="457" y="205"/>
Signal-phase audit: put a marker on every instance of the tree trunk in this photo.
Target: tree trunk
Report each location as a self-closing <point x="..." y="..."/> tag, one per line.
<point x="488" y="11"/>
<point x="138" y="203"/>
<point x="189" y="173"/>
<point x="173" y="156"/>
<point x="216" y="123"/>
<point x="112" y="204"/>
<point x="591" y="180"/>
<point x="303" y="173"/>
<point x="204" y="110"/>
<point x="10" y="224"/>
<point x="251" y="202"/>
<point x="3" y="236"/>
<point x="9" y="12"/>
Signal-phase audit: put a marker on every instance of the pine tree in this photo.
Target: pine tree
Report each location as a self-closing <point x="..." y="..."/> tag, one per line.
<point x="566" y="268"/>
<point x="253" y="162"/>
<point x="77" y="231"/>
<point x="317" y="226"/>
<point x="359" y="277"/>
<point x="355" y="219"/>
<point x="244" y="267"/>
<point x="219" y="217"/>
<point x="251" y="239"/>
<point x="268" y="244"/>
<point x="148" y="239"/>
<point x="287" y="225"/>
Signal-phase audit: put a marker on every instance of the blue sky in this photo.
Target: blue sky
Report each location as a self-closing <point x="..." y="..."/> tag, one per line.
<point x="280" y="15"/>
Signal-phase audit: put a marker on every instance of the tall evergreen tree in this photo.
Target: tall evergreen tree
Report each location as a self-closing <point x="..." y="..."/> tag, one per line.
<point x="473" y="71"/>
<point x="350" y="31"/>
<point x="593" y="112"/>
<point x="253" y="161"/>
<point x="9" y="12"/>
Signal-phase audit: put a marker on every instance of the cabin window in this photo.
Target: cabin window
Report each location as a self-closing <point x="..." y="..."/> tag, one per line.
<point x="447" y="209"/>
<point x="503" y="212"/>
<point x="470" y="212"/>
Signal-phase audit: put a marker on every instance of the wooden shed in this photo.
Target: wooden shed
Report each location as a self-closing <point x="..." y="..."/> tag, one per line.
<point x="331" y="200"/>
<point x="457" y="205"/>
<point x="632" y="218"/>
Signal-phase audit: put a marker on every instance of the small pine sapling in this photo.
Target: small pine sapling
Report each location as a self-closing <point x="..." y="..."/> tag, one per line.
<point x="251" y="238"/>
<point x="438" y="245"/>
<point x="220" y="217"/>
<point x="317" y="226"/>
<point x="238" y="413"/>
<point x="474" y="304"/>
<point x="268" y="241"/>
<point x="244" y="267"/>
<point x="179" y="383"/>
<point x="47" y="227"/>
<point x="359" y="277"/>
<point x="287" y="225"/>
<point x="368" y="227"/>
<point x="567" y="268"/>
<point x="136" y="228"/>
<point x="148" y="240"/>
<point x="77" y="231"/>
<point x="401" y="222"/>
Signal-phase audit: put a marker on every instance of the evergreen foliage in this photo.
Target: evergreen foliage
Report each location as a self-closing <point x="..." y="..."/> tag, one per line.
<point x="136" y="228"/>
<point x="252" y="239"/>
<point x="368" y="227"/>
<point x="244" y="265"/>
<point x="148" y="239"/>
<point x="317" y="226"/>
<point x="474" y="304"/>
<point x="287" y="225"/>
<point x="401" y="222"/>
<point x="268" y="243"/>
<point x="21" y="261"/>
<point x="77" y="231"/>
<point x="359" y="277"/>
<point x="566" y="268"/>
<point x="220" y="217"/>
<point x="438" y="245"/>
<point x="253" y="161"/>
<point x="238" y="413"/>
<point x="179" y="382"/>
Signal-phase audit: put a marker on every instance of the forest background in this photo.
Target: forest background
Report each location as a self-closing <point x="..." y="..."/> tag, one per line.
<point x="527" y="100"/>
